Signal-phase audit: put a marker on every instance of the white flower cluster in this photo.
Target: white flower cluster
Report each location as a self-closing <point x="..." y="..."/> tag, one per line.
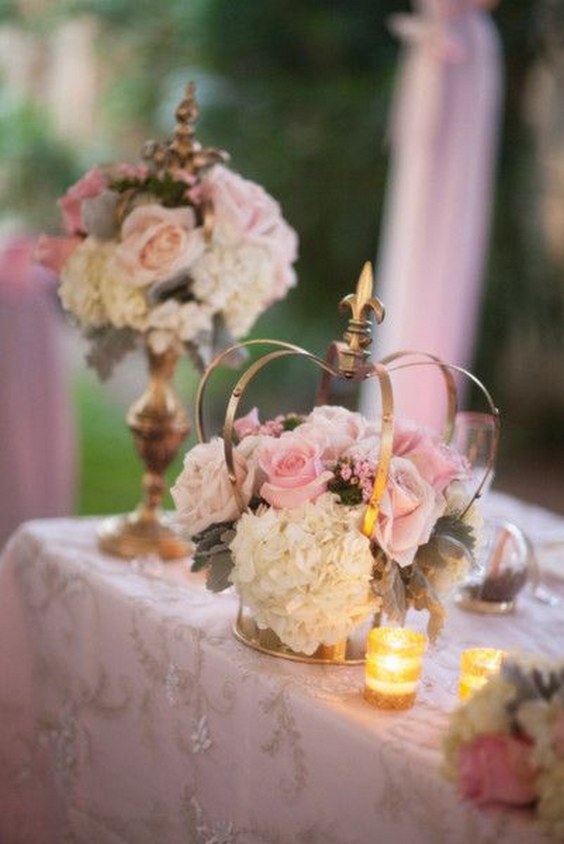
<point x="305" y="573"/>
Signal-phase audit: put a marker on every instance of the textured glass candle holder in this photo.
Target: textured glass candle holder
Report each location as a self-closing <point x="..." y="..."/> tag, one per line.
<point x="394" y="658"/>
<point x="476" y="666"/>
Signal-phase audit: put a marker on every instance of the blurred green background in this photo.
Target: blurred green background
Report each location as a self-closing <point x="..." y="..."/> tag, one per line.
<point x="299" y="92"/>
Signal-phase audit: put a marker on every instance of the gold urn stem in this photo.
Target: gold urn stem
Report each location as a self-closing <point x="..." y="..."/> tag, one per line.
<point x="159" y="424"/>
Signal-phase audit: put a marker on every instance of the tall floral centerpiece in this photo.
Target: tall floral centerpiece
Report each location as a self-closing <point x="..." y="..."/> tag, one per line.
<point x="321" y="521"/>
<point x="180" y="254"/>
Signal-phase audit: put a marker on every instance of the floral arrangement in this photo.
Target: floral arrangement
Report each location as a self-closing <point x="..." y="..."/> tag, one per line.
<point x="181" y="256"/>
<point x="297" y="554"/>
<point x="505" y="745"/>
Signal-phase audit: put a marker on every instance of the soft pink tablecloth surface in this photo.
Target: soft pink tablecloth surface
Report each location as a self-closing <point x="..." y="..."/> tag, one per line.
<point x="128" y="713"/>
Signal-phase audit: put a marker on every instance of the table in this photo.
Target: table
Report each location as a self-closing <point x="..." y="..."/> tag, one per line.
<point x="129" y="713"/>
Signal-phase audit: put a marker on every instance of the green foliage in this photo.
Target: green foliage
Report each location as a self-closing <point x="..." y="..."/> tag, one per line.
<point x="212" y="553"/>
<point x="168" y="190"/>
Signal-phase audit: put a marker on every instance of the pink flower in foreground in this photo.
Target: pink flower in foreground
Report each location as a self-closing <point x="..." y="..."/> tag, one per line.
<point x="53" y="252"/>
<point x="294" y="471"/>
<point x="408" y="511"/>
<point x="91" y="184"/>
<point x="497" y="769"/>
<point x="247" y="425"/>
<point x="437" y="463"/>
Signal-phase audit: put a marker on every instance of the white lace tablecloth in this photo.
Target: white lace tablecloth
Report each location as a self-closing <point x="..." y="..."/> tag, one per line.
<point x="129" y="713"/>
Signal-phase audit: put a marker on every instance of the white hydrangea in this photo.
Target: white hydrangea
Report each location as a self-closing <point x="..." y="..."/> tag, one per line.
<point x="305" y="573"/>
<point x="79" y="289"/>
<point x="238" y="282"/>
<point x="172" y="321"/>
<point x="550" y="788"/>
<point x="126" y="306"/>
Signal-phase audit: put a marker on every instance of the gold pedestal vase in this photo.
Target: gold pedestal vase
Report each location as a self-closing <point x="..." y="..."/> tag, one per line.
<point x="159" y="425"/>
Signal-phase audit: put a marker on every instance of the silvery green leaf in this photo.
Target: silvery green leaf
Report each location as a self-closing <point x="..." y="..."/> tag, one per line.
<point x="99" y="215"/>
<point x="423" y="597"/>
<point x="220" y="568"/>
<point x="107" y="347"/>
<point x="391" y="589"/>
<point x="451" y="548"/>
<point x="178" y="286"/>
<point x="222" y="339"/>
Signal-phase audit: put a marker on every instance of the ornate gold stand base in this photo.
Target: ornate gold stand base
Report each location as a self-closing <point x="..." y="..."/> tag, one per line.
<point x="135" y="536"/>
<point x="348" y="652"/>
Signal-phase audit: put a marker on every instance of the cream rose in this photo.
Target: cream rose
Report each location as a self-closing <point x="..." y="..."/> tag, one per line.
<point x="203" y="493"/>
<point x="157" y="242"/>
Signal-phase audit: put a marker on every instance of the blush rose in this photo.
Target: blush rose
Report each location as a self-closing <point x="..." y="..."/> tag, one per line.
<point x="54" y="252"/>
<point x="91" y="185"/>
<point x="243" y="211"/>
<point x="497" y="769"/>
<point x="203" y="493"/>
<point x="294" y="471"/>
<point x="437" y="463"/>
<point x="408" y="511"/>
<point x="158" y="242"/>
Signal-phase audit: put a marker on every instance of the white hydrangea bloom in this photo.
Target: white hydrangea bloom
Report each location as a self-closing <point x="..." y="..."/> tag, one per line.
<point x="126" y="306"/>
<point x="305" y="573"/>
<point x="79" y="289"/>
<point x="550" y="788"/>
<point x="235" y="281"/>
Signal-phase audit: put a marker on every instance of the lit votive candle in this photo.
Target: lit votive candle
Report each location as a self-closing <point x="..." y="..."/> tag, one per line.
<point x="394" y="658"/>
<point x="476" y="665"/>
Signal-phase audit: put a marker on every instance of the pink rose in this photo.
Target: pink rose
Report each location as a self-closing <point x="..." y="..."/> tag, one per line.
<point x="437" y="463"/>
<point x="53" y="252"/>
<point x="408" y="511"/>
<point x="158" y="242"/>
<point x="497" y="769"/>
<point x="243" y="211"/>
<point x="91" y="184"/>
<point x="336" y="429"/>
<point x="247" y="425"/>
<point x="203" y="493"/>
<point x="294" y="471"/>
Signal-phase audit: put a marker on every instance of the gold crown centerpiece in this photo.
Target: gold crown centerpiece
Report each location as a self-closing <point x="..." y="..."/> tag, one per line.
<point x="325" y="520"/>
<point x="182" y="254"/>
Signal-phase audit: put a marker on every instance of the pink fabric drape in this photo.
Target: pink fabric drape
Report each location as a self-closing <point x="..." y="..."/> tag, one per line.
<point x="36" y="428"/>
<point x="434" y="234"/>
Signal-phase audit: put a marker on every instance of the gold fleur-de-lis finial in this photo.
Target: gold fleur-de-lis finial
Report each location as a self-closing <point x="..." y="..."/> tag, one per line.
<point x="353" y="353"/>
<point x="184" y="151"/>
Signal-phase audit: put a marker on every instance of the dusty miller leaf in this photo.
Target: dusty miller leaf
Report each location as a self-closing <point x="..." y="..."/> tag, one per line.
<point x="220" y="567"/>
<point x="423" y="597"/>
<point x="107" y="348"/>
<point x="390" y="587"/>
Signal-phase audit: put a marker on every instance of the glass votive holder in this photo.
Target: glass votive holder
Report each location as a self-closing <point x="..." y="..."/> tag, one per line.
<point x="476" y="666"/>
<point x="394" y="658"/>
